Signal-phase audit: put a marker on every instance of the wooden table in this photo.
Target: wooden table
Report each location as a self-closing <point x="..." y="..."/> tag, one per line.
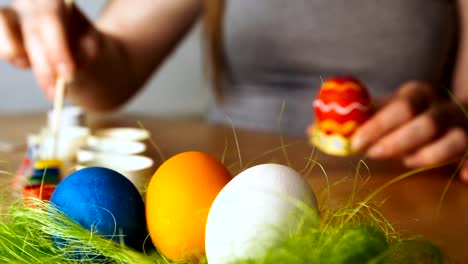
<point x="409" y="204"/>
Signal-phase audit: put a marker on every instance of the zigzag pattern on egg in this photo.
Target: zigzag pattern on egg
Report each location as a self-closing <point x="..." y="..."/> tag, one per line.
<point x="344" y="110"/>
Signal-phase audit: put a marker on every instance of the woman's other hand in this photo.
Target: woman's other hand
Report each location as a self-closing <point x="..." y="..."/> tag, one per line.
<point x="417" y="127"/>
<point x="47" y="36"/>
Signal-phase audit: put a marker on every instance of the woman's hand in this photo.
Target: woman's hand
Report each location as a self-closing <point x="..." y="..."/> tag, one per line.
<point x="47" y="36"/>
<point x="109" y="60"/>
<point x="418" y="127"/>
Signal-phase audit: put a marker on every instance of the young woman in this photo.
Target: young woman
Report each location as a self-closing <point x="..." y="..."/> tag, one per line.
<point x="265" y="52"/>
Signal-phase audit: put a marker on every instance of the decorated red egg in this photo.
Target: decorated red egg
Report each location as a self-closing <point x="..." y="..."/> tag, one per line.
<point x="341" y="106"/>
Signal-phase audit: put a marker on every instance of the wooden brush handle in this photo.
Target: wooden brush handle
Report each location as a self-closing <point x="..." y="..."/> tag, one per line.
<point x="60" y="90"/>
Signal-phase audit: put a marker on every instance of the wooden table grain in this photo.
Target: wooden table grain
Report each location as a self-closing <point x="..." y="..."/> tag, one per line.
<point x="410" y="205"/>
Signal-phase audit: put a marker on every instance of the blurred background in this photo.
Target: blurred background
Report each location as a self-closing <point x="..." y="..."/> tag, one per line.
<point x="178" y="88"/>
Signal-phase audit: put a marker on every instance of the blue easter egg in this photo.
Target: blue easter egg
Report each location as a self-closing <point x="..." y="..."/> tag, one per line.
<point x="104" y="201"/>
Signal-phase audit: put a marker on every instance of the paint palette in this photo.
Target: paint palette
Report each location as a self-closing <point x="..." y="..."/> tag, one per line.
<point x="120" y="149"/>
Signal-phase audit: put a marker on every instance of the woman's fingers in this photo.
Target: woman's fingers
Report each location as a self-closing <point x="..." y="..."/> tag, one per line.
<point x="421" y="131"/>
<point x="407" y="138"/>
<point x="39" y="62"/>
<point x="11" y="48"/>
<point x="44" y="30"/>
<point x="413" y="122"/>
<point x="50" y="37"/>
<point x="412" y="98"/>
<point x="390" y="117"/>
<point x="451" y="145"/>
<point x="53" y="32"/>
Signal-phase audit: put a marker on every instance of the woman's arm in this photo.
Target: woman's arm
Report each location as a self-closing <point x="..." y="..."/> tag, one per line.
<point x="142" y="34"/>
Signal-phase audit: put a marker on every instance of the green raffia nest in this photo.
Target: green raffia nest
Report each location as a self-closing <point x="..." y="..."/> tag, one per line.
<point x="347" y="236"/>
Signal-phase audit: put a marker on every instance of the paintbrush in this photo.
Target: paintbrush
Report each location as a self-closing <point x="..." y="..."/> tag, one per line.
<point x="60" y="91"/>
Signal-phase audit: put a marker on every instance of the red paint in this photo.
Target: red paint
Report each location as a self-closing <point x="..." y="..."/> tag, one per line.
<point x="39" y="191"/>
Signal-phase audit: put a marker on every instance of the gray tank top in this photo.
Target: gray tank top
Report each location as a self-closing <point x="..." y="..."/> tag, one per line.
<point x="280" y="50"/>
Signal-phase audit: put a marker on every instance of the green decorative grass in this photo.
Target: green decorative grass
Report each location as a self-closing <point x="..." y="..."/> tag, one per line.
<point x="355" y="232"/>
<point x="27" y="232"/>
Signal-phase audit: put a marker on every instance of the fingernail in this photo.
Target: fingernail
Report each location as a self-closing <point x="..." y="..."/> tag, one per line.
<point x="360" y="140"/>
<point x="21" y="62"/>
<point x="464" y="174"/>
<point x="376" y="152"/>
<point x="65" y="71"/>
<point x="89" y="46"/>
<point x="411" y="162"/>
<point x="357" y="142"/>
<point x="50" y="92"/>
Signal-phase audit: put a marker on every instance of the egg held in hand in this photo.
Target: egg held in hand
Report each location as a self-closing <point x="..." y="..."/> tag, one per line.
<point x="178" y="199"/>
<point x="342" y="105"/>
<point x="255" y="211"/>
<point x="104" y="202"/>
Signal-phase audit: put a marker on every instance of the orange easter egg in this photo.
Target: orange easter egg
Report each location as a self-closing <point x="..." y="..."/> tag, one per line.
<point x="178" y="199"/>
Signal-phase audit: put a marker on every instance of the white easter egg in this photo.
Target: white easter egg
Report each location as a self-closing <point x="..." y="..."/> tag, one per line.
<point x="254" y="211"/>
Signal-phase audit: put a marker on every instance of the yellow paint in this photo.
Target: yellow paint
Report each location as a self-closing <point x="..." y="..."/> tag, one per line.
<point x="342" y="129"/>
<point x="330" y="85"/>
<point x="46" y="164"/>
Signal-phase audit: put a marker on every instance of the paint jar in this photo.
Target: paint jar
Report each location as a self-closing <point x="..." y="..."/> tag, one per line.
<point x="70" y="140"/>
<point x="109" y="146"/>
<point x="137" y="168"/>
<point x="122" y="133"/>
<point x="70" y="116"/>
